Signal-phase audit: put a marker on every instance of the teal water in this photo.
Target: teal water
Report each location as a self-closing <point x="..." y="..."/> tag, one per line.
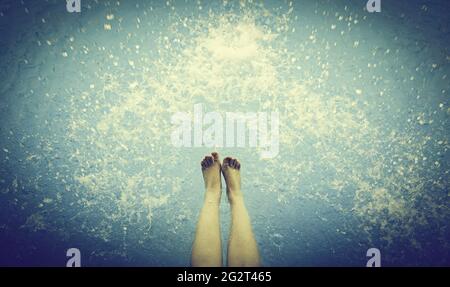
<point x="86" y="100"/>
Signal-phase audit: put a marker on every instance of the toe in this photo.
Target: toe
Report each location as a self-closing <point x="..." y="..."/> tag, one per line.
<point x="215" y="156"/>
<point x="210" y="160"/>
<point x="206" y="162"/>
<point x="226" y="163"/>
<point x="233" y="163"/>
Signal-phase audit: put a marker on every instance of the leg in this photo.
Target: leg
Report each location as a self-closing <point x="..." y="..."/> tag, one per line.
<point x="242" y="247"/>
<point x="207" y="247"/>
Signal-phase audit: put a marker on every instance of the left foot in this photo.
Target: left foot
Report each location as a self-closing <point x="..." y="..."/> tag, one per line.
<point x="211" y="174"/>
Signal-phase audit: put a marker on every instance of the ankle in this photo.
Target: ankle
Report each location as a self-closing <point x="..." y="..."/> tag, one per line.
<point x="212" y="195"/>
<point x="212" y="188"/>
<point x="235" y="196"/>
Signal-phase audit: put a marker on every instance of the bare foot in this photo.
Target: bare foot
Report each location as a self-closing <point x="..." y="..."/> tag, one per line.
<point x="230" y="170"/>
<point x="211" y="174"/>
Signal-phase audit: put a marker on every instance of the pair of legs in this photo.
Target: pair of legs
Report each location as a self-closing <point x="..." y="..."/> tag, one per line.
<point x="207" y="247"/>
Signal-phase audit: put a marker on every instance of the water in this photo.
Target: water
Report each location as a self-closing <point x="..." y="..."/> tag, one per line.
<point x="86" y="101"/>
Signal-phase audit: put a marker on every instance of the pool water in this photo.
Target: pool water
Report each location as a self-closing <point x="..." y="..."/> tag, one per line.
<point x="86" y="102"/>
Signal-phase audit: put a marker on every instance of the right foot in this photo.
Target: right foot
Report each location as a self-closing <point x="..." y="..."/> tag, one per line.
<point x="230" y="170"/>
